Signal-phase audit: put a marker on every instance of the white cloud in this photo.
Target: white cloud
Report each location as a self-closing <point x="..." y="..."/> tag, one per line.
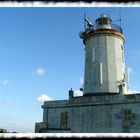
<point x="39" y="72"/>
<point x="8" y="102"/>
<point x="78" y="93"/>
<point x="130" y="70"/>
<point x="4" y="82"/>
<point x="133" y="91"/>
<point x="81" y="80"/>
<point x="40" y="99"/>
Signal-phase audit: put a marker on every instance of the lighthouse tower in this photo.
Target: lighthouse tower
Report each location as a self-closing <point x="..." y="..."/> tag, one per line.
<point x="105" y="70"/>
<point x="109" y="109"/>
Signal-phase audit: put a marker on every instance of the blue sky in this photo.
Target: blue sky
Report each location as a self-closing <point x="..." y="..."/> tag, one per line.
<point x="42" y="57"/>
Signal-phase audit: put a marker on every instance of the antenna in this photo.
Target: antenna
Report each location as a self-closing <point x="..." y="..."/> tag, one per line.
<point x="89" y="24"/>
<point x="84" y="20"/>
<point x="120" y="18"/>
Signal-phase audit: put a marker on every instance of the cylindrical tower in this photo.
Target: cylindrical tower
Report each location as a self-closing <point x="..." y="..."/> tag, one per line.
<point x="104" y="57"/>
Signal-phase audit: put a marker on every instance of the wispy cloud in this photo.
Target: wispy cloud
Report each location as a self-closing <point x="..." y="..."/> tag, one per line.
<point x="136" y="53"/>
<point x="81" y="80"/>
<point x="4" y="82"/>
<point x="40" y="99"/>
<point x="8" y="102"/>
<point x="39" y="72"/>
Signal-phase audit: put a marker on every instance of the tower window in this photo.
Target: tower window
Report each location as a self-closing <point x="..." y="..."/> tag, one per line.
<point x="120" y="89"/>
<point x="101" y="73"/>
<point x="122" y="53"/>
<point x="93" y="54"/>
<point x="104" y="21"/>
<point x="124" y="76"/>
<point x="121" y="47"/>
<point x="122" y="57"/>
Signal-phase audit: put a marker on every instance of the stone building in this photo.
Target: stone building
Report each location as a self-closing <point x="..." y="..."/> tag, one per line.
<point x="3" y="130"/>
<point x="105" y="105"/>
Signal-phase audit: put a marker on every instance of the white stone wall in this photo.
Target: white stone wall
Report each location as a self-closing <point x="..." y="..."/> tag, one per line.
<point x="104" y="63"/>
<point x="95" y="114"/>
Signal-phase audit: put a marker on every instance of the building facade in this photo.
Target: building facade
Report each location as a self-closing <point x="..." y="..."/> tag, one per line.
<point x="105" y="105"/>
<point x="96" y="114"/>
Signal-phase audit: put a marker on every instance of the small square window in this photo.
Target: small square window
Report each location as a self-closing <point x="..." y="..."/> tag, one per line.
<point x="127" y="114"/>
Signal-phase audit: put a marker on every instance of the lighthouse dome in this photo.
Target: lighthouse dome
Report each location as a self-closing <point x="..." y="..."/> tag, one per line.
<point x="103" y="22"/>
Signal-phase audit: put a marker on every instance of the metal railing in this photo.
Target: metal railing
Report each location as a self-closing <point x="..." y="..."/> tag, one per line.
<point x="111" y="26"/>
<point x="116" y="27"/>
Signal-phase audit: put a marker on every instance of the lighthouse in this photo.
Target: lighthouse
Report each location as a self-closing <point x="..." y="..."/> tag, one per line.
<point x="106" y="106"/>
<point x="105" y="70"/>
